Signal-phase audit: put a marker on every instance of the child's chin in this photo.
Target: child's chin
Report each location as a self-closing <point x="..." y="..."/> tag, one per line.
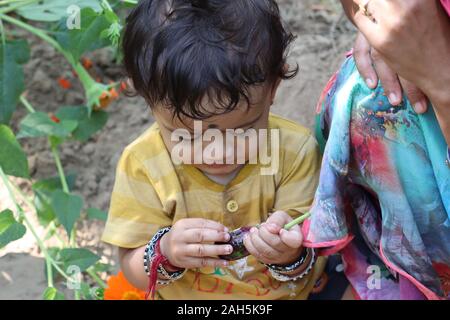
<point x="217" y="169"/>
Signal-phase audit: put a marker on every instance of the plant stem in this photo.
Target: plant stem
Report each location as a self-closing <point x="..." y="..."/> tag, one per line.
<point x="49" y="260"/>
<point x="39" y="33"/>
<point x="297" y="221"/>
<point x="107" y="5"/>
<point x="62" y="177"/>
<point x="27" y="104"/>
<point x="2" y="33"/>
<point x="29" y="226"/>
<point x="65" y="186"/>
<point x="97" y="279"/>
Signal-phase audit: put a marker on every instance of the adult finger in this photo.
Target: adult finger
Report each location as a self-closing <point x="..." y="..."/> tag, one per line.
<point x="367" y="25"/>
<point x="415" y="96"/>
<point x="388" y="78"/>
<point x="363" y="60"/>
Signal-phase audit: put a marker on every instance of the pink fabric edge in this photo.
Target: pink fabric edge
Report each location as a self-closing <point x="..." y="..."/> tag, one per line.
<point x="338" y="245"/>
<point x="333" y="246"/>
<point x="427" y="292"/>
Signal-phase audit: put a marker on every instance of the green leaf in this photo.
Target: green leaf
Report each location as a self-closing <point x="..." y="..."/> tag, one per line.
<point x="87" y="37"/>
<point x="12" y="55"/>
<point x="67" y="208"/>
<point x="87" y="126"/>
<point x="52" y="293"/>
<point x="80" y="257"/>
<point x="94" y="213"/>
<point x="44" y="210"/>
<point x="54" y="183"/>
<point x="54" y="10"/>
<point x="39" y="124"/>
<point x="43" y="190"/>
<point x="13" y="159"/>
<point x="10" y="229"/>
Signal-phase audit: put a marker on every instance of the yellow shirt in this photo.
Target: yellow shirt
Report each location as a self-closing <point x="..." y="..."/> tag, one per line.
<point x="150" y="192"/>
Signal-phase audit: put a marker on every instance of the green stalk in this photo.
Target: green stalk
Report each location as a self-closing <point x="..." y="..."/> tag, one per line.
<point x="60" y="169"/>
<point x="2" y="33"/>
<point x="27" y="104"/>
<point x="29" y="226"/>
<point x="39" y="33"/>
<point x="297" y="221"/>
<point x="97" y="279"/>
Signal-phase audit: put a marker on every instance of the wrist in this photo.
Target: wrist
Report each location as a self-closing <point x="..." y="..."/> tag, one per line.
<point x="297" y="270"/>
<point x="291" y="259"/>
<point x="168" y="265"/>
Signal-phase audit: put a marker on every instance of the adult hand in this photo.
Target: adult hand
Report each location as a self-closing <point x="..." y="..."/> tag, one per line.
<point x="401" y="31"/>
<point x="372" y="68"/>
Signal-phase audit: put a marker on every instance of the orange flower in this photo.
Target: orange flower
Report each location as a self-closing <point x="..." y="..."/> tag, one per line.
<point x="107" y="97"/>
<point x="87" y="63"/>
<point x="120" y="289"/>
<point x="64" y="83"/>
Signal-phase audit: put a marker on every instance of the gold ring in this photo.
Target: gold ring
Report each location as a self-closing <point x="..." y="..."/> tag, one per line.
<point x="364" y="8"/>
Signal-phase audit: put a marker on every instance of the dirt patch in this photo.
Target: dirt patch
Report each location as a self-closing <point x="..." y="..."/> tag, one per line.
<point x="323" y="37"/>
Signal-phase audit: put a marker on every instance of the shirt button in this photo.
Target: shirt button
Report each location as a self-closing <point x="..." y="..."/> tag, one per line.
<point x="232" y="206"/>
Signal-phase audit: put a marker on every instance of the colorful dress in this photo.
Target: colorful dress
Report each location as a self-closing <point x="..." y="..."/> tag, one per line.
<point x="383" y="199"/>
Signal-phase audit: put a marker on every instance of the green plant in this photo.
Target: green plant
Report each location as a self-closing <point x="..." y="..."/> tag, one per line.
<point x="53" y="201"/>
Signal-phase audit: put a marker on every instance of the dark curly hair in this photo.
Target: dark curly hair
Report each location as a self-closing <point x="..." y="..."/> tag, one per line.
<point x="180" y="51"/>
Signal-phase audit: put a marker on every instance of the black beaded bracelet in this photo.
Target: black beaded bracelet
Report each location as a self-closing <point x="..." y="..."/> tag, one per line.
<point x="293" y="266"/>
<point x="150" y="253"/>
<point x="280" y="273"/>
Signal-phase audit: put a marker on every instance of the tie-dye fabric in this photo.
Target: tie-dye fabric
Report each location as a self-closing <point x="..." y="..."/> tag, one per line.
<point x="384" y="192"/>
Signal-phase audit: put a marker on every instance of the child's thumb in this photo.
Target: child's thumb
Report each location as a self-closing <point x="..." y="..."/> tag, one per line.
<point x="292" y="239"/>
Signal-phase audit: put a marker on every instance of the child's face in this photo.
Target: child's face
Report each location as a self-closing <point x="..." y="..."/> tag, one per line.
<point x="254" y="117"/>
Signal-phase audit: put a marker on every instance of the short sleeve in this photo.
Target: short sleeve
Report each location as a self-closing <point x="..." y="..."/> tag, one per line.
<point x="136" y="211"/>
<point x="298" y="184"/>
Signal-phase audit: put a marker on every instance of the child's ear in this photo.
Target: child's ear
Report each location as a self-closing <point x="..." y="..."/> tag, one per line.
<point x="276" y="84"/>
<point x="274" y="89"/>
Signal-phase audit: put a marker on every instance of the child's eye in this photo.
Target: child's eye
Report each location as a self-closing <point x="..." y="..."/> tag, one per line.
<point x="241" y="132"/>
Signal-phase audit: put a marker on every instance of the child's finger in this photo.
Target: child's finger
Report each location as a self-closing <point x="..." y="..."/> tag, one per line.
<point x="191" y="223"/>
<point x="262" y="247"/>
<point x="205" y="262"/>
<point x="251" y="248"/>
<point x="205" y="235"/>
<point x="207" y="250"/>
<point x="279" y="218"/>
<point x="293" y="238"/>
<point x="272" y="239"/>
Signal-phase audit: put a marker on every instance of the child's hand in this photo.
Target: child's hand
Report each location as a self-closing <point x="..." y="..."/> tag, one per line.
<point x="271" y="244"/>
<point x="190" y="243"/>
